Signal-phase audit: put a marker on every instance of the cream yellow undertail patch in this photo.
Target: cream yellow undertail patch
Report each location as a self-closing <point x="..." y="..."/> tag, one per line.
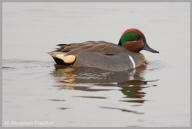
<point x="69" y="59"/>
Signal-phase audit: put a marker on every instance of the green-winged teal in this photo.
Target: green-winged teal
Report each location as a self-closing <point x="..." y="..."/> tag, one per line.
<point x="104" y="55"/>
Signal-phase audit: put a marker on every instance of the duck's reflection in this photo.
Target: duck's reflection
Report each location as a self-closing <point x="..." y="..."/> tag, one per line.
<point x="131" y="83"/>
<point x="94" y="76"/>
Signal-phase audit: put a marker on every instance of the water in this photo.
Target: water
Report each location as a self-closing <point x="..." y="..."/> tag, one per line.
<point x="38" y="93"/>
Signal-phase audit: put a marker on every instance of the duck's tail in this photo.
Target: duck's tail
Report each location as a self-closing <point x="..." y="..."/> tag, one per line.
<point x="62" y="58"/>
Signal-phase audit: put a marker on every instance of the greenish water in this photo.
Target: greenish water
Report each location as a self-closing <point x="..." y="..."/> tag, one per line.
<point x="36" y="93"/>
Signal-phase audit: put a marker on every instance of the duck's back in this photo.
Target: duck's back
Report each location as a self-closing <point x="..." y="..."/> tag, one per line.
<point x="89" y="46"/>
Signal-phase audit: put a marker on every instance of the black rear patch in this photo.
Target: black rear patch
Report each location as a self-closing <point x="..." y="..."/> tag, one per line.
<point x="61" y="62"/>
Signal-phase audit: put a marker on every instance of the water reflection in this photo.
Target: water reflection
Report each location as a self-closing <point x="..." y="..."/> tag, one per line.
<point x="94" y="97"/>
<point x="99" y="77"/>
<point x="81" y="88"/>
<point x="124" y="110"/>
<point x="56" y="100"/>
<point x="63" y="108"/>
<point x="129" y="83"/>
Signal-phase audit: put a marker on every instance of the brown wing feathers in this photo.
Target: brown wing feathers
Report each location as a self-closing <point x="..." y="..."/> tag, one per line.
<point x="68" y="52"/>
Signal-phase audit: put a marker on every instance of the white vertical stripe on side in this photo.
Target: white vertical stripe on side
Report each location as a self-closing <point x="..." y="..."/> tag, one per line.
<point x="132" y="61"/>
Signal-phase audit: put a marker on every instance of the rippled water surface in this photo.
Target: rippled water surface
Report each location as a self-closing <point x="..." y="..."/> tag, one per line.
<point x="38" y="93"/>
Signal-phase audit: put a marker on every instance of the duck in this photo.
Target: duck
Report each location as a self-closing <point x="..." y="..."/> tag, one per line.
<point x="105" y="55"/>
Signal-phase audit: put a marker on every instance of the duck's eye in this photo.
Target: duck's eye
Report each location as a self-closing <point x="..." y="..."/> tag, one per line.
<point x="137" y="37"/>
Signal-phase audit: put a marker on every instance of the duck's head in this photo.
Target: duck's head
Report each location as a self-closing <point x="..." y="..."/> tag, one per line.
<point x="134" y="40"/>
